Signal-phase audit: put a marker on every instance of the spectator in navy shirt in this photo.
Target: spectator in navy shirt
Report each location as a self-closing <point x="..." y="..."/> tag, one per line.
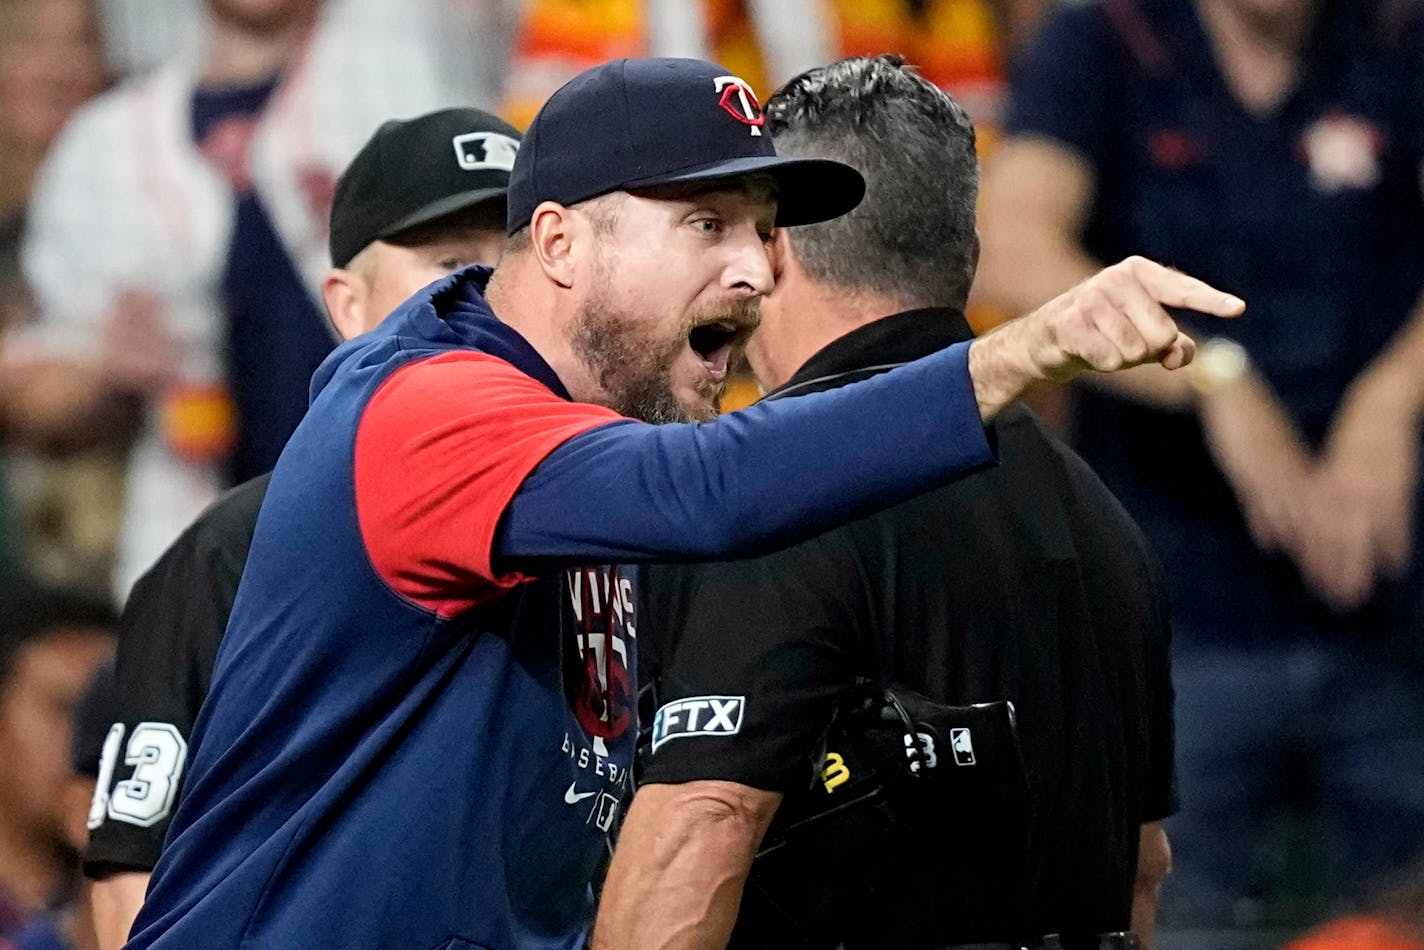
<point x="1275" y="148"/>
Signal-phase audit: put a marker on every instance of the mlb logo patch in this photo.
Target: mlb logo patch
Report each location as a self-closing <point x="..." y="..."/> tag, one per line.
<point x="963" y="744"/>
<point x="698" y="716"/>
<point x="477" y="150"/>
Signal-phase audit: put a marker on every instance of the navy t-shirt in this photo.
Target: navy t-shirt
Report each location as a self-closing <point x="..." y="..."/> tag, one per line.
<point x="276" y="335"/>
<point x="1311" y="213"/>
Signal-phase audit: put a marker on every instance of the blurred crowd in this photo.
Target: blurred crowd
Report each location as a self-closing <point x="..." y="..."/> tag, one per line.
<point x="166" y="174"/>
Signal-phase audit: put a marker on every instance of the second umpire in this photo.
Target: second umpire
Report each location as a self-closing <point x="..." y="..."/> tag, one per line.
<point x="1021" y="600"/>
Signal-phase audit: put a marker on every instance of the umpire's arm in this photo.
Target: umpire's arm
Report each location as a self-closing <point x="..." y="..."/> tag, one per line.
<point x="116" y="901"/>
<point x="1154" y="863"/>
<point x="682" y="858"/>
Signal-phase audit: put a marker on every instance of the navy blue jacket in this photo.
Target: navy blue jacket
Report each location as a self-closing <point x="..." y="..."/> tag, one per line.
<point x="421" y="712"/>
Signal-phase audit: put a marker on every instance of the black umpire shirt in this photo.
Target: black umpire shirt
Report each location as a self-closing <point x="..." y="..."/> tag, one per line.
<point x="169" y="635"/>
<point x="1026" y="582"/>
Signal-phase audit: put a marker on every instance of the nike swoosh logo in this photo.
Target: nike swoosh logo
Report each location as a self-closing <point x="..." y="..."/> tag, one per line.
<point x="573" y="797"/>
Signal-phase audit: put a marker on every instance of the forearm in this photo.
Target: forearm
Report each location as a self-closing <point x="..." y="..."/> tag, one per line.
<point x="1036" y="198"/>
<point x="1023" y="266"/>
<point x="680" y="865"/>
<point x="705" y="491"/>
<point x="116" y="901"/>
<point x="1154" y="862"/>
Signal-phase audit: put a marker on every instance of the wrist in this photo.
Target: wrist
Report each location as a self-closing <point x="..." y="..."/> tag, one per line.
<point x="999" y="370"/>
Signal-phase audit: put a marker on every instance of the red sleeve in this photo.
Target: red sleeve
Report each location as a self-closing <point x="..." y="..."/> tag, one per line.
<point x="441" y="449"/>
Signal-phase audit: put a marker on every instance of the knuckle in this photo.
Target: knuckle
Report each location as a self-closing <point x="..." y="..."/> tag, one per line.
<point x="1096" y="298"/>
<point x="1103" y="357"/>
<point x="1158" y="335"/>
<point x="1075" y="324"/>
<point x="1117" y="281"/>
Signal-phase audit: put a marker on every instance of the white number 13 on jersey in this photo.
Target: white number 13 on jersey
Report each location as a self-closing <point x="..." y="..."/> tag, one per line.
<point x="157" y="752"/>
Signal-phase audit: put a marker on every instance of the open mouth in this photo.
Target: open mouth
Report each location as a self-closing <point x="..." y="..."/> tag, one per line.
<point x="709" y="338"/>
<point x="714" y="343"/>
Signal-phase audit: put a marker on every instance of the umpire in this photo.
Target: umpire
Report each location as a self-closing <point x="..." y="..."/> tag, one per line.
<point x="961" y="706"/>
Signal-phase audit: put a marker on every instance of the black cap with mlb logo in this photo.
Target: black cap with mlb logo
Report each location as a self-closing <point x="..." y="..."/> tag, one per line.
<point x="414" y="171"/>
<point x="637" y="123"/>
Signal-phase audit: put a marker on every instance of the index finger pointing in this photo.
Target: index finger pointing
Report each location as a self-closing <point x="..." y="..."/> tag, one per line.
<point x="1172" y="288"/>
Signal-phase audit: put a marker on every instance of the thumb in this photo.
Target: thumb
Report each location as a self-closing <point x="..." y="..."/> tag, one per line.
<point x="1180" y="353"/>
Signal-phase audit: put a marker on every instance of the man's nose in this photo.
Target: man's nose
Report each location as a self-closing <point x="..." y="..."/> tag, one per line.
<point x="749" y="269"/>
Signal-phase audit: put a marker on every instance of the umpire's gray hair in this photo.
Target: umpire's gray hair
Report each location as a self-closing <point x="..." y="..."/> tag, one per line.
<point x="913" y="237"/>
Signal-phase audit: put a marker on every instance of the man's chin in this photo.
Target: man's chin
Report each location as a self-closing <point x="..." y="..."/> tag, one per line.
<point x="702" y="414"/>
<point x="704" y="408"/>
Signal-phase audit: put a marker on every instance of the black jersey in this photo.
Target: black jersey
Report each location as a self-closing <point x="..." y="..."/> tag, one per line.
<point x="168" y="638"/>
<point x="1026" y="583"/>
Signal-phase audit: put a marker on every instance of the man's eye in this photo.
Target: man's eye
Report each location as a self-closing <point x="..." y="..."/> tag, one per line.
<point x="708" y="225"/>
<point x="451" y="263"/>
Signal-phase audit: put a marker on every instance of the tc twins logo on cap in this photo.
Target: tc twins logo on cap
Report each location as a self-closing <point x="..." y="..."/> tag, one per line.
<point x="477" y="150"/>
<point x="740" y="102"/>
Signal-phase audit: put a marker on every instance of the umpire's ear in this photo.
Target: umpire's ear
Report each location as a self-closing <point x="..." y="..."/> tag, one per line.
<point x="780" y="250"/>
<point x="343" y="292"/>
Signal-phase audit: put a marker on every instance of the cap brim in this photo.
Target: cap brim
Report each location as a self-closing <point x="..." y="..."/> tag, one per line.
<point x="448" y="205"/>
<point x="809" y="190"/>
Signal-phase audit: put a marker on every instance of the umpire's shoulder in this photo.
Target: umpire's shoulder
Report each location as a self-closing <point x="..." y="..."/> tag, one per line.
<point x="231" y="520"/>
<point x="217" y="542"/>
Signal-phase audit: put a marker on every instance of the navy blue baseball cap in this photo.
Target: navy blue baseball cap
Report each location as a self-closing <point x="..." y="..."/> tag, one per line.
<point x="638" y="123"/>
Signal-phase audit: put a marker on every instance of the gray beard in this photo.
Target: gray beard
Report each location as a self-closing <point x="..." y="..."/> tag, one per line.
<point x="633" y="369"/>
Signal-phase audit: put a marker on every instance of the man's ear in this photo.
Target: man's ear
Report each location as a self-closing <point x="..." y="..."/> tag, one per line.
<point x="554" y="232"/>
<point x="344" y="292"/>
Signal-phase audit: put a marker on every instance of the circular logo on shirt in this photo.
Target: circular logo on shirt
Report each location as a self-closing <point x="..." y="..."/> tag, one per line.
<point x="1343" y="152"/>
